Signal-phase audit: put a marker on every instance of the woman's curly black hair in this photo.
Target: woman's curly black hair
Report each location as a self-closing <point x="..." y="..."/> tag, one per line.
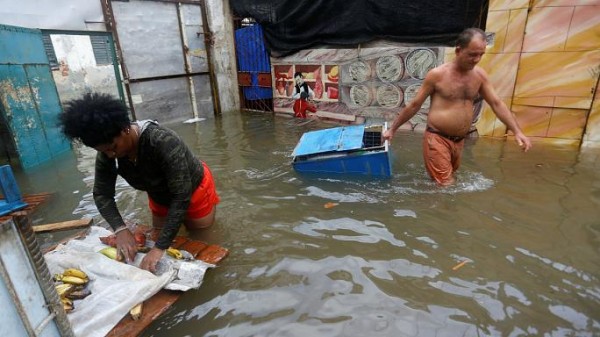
<point x="94" y="119"/>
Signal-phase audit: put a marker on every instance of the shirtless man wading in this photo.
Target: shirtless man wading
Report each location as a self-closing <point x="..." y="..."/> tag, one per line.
<point x="453" y="87"/>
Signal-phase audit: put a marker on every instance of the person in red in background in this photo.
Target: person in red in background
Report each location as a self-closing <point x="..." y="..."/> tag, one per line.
<point x="302" y="92"/>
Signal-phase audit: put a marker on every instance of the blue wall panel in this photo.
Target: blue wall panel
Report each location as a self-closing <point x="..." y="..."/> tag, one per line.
<point x="21" y="46"/>
<point x="28" y="96"/>
<point x="48" y="106"/>
<point x="21" y="114"/>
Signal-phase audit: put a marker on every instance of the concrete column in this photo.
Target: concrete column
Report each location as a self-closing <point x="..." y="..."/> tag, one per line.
<point x="220" y="23"/>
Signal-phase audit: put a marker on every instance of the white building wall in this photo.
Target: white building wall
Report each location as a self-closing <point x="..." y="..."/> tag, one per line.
<point x="220" y="21"/>
<point x="53" y="14"/>
<point x="74" y="50"/>
<point x="78" y="72"/>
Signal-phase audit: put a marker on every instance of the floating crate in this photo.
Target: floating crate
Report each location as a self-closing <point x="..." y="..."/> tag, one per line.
<point x="350" y="150"/>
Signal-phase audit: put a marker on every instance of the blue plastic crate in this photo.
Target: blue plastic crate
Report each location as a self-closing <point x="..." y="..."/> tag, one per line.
<point x="9" y="188"/>
<point x="347" y="150"/>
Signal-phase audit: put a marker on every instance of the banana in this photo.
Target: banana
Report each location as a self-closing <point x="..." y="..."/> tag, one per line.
<point x="73" y="280"/>
<point x="75" y="272"/>
<point x="67" y="304"/>
<point x="79" y="294"/>
<point x="111" y="253"/>
<point x="136" y="312"/>
<point x="175" y="253"/>
<point x="64" y="289"/>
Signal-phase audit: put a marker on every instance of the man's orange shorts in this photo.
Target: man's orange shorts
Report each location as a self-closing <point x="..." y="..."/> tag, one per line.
<point x="203" y="199"/>
<point x="441" y="156"/>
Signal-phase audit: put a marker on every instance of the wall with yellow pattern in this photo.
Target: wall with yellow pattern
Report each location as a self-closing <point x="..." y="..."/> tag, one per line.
<point x="545" y="63"/>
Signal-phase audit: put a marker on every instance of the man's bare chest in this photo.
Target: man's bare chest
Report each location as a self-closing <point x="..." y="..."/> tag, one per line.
<point x="458" y="88"/>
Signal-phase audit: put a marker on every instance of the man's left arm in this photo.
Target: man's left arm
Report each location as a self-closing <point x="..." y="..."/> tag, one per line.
<point x="501" y="110"/>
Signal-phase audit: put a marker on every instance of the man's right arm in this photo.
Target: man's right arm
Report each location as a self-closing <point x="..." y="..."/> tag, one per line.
<point x="413" y="106"/>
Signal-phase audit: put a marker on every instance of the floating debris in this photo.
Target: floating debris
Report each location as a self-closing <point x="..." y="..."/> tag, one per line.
<point x="458" y="266"/>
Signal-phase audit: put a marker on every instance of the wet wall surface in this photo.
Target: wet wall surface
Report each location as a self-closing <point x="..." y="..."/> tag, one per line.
<point x="318" y="255"/>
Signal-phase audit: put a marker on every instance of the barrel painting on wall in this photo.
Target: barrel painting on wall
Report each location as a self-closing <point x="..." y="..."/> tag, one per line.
<point x="382" y="83"/>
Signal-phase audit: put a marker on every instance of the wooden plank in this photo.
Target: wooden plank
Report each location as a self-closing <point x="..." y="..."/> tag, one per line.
<point x="72" y="224"/>
<point x="155" y="233"/>
<point x="152" y="308"/>
<point x="213" y="254"/>
<point x="193" y="247"/>
<point x="332" y="115"/>
<point x="179" y="241"/>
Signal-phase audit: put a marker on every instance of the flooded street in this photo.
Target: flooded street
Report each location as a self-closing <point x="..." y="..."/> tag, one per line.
<point x="388" y="259"/>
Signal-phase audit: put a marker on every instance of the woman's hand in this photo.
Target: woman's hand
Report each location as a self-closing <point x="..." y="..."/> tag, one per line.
<point x="151" y="259"/>
<point x="126" y="245"/>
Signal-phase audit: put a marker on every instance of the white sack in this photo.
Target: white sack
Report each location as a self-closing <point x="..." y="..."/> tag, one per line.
<point x="116" y="287"/>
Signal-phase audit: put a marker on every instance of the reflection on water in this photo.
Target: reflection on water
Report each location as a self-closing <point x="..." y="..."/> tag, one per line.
<point x="384" y="261"/>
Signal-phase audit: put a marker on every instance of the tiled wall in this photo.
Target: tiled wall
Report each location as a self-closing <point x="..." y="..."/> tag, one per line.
<point x="544" y="64"/>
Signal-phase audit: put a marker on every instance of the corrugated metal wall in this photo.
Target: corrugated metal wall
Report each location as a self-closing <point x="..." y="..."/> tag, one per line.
<point x="254" y="68"/>
<point x="166" y="64"/>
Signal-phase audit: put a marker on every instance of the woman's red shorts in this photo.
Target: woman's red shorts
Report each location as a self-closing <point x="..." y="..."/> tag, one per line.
<point x="203" y="199"/>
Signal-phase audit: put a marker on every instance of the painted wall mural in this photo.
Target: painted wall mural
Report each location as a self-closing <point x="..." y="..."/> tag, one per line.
<point x="373" y="82"/>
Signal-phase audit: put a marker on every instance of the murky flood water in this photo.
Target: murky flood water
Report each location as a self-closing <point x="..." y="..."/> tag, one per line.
<point x="386" y="260"/>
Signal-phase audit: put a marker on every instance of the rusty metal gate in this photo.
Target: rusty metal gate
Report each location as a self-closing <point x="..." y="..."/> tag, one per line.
<point x="165" y="61"/>
<point x="254" y="67"/>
